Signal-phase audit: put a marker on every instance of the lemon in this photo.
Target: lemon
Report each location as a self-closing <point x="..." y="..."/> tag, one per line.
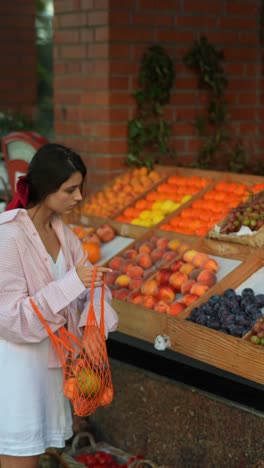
<point x="145" y="214"/>
<point x="156" y="205"/>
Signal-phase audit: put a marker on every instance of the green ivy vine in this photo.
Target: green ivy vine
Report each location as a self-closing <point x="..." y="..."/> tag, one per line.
<point x="212" y="126"/>
<point x="148" y="131"/>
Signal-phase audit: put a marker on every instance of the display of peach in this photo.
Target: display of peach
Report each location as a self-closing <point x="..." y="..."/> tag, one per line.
<point x="187" y="286"/>
<point x="163" y="275"/>
<point x="150" y="287"/>
<point x="177" y="279"/>
<point x="135" y="272"/>
<point x="199" y="289"/>
<point x="144" y="260"/>
<point x="207" y="277"/>
<point x="122" y="280"/>
<point x="176" y="308"/>
<point x="210" y="264"/>
<point x="188" y="299"/>
<point x="166" y="293"/>
<point x="115" y="263"/>
<point x="162" y="306"/>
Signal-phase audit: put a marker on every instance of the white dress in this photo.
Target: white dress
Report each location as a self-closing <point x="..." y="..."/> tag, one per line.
<point x="34" y="414"/>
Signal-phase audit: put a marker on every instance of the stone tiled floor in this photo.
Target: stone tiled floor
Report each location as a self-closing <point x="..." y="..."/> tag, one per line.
<point x="176" y="425"/>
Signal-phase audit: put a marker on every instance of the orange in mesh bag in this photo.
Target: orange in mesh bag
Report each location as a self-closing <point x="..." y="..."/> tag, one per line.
<point x="87" y="380"/>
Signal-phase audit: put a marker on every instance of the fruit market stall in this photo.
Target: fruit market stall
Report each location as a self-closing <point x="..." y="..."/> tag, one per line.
<point x="201" y="294"/>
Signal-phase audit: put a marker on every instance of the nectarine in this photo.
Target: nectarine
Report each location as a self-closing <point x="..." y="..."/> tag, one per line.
<point x="177" y="279"/>
<point x="176" y="308"/>
<point x="166" y="293"/>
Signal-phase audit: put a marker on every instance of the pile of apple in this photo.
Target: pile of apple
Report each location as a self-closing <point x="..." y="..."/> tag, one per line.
<point x="141" y="275"/>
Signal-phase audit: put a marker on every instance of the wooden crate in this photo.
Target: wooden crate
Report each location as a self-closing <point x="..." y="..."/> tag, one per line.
<point x="195" y="341"/>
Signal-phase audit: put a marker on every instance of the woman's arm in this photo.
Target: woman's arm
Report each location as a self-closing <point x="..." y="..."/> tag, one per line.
<point x="18" y="322"/>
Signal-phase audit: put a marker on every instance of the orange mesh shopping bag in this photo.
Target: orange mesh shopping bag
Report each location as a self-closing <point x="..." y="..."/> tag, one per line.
<point x="87" y="380"/>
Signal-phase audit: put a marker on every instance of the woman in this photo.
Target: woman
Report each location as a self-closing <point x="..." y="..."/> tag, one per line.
<point x="41" y="259"/>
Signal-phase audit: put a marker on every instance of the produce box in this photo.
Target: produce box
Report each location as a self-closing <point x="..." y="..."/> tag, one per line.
<point x="122" y="191"/>
<point x="245" y="223"/>
<point x="201" y="214"/>
<point x="230" y="353"/>
<point x="178" y="188"/>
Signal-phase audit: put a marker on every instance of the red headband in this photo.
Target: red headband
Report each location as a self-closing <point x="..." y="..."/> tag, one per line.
<point x="21" y="197"/>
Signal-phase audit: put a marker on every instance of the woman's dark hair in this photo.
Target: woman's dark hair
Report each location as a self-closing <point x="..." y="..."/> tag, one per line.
<point x="49" y="168"/>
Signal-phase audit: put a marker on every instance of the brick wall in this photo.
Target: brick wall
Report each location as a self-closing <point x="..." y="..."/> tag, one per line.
<point x="18" y="78"/>
<point x="99" y="44"/>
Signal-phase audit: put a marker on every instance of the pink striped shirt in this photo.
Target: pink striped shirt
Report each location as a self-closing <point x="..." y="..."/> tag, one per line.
<point x="25" y="272"/>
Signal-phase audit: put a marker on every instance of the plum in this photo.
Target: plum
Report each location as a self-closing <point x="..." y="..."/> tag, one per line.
<point x="259" y="300"/>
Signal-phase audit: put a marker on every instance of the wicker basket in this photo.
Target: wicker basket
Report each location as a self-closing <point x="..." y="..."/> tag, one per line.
<point x="65" y="459"/>
<point x="256" y="239"/>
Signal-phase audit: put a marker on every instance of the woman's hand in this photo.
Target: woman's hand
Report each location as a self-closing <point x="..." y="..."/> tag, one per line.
<point x="85" y="273"/>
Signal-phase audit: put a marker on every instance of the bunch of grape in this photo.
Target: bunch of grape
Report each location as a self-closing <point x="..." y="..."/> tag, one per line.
<point x="230" y="313"/>
<point x="258" y="332"/>
<point x="249" y="213"/>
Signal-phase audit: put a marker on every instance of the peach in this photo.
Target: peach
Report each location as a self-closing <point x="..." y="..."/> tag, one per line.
<point x="149" y="301"/>
<point x="173" y="244"/>
<point x="177" y="279"/>
<point x="188" y="299"/>
<point x="210" y="264"/>
<point x="135" y="283"/>
<point x="145" y="247"/>
<point x="199" y="289"/>
<point x="207" y="277"/>
<point x="153" y="240"/>
<point x="130" y="253"/>
<point x="187" y="286"/>
<point x="135" y="272"/>
<point x="120" y="293"/>
<point x="126" y="265"/>
<point x="110" y="277"/>
<point x="149" y="288"/>
<point x="162" y="242"/>
<point x="199" y="258"/>
<point x="157" y="254"/>
<point x="122" y="280"/>
<point x="166" y="293"/>
<point x="189" y="254"/>
<point x="144" y="260"/>
<point x="175" y="266"/>
<point x="163" y="275"/>
<point x="115" y="263"/>
<point x="136" y="298"/>
<point x="176" y="308"/>
<point x="187" y="268"/>
<point x="162" y="306"/>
